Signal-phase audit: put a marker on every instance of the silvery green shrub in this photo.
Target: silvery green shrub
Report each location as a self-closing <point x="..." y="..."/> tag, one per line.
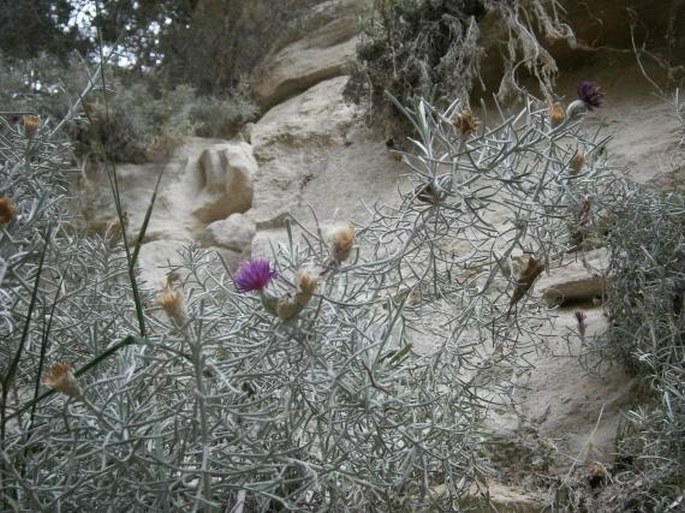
<point x="352" y="373"/>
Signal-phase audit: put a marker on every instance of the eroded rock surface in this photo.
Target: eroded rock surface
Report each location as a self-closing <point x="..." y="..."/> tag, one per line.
<point x="326" y="50"/>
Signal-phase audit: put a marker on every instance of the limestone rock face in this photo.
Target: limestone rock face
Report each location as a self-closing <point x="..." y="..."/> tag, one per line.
<point x="223" y="180"/>
<point x="314" y="152"/>
<point x="234" y="233"/>
<point x="326" y="50"/>
<point x="205" y="182"/>
<point x="579" y="282"/>
<point x="316" y="117"/>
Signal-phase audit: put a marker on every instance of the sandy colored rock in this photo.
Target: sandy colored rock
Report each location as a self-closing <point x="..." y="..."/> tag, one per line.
<point x="155" y="260"/>
<point x="314" y="152"/>
<point x="317" y="117"/>
<point x="326" y="49"/>
<point x="575" y="291"/>
<point x="495" y="497"/>
<point x="234" y="233"/>
<point x="223" y="181"/>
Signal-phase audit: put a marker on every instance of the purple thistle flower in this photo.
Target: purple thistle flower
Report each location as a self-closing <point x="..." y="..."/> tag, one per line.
<point x="590" y="94"/>
<point x="253" y="275"/>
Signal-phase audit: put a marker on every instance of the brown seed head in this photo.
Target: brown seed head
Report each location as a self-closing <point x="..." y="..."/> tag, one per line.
<point x="60" y="377"/>
<point x="528" y="276"/>
<point x="466" y="122"/>
<point x="7" y="211"/>
<point x="31" y="125"/>
<point x="585" y="215"/>
<point x="307" y="281"/>
<point x="577" y="162"/>
<point x="342" y="240"/>
<point x="172" y="301"/>
<point x="556" y="113"/>
<point x="115" y="229"/>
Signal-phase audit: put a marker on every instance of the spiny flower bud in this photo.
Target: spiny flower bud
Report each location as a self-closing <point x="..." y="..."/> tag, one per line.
<point x="307" y="282"/>
<point x="60" y="377"/>
<point x="466" y="122"/>
<point x="577" y="162"/>
<point x="526" y="279"/>
<point x="172" y="301"/>
<point x="7" y="211"/>
<point x="115" y="229"/>
<point x="342" y="240"/>
<point x="556" y="114"/>
<point x="289" y="307"/>
<point x="31" y="125"/>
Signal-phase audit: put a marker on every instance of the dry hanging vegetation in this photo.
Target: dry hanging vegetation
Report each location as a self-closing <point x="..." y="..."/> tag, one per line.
<point x="413" y="49"/>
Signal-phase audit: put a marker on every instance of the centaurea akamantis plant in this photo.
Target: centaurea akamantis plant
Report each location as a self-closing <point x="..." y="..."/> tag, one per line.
<point x="367" y="385"/>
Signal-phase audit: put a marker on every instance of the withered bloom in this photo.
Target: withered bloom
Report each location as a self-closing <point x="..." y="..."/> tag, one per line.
<point x="7" y="211"/>
<point x="31" y="125"/>
<point x="307" y="282"/>
<point x="585" y="215"/>
<point x="172" y="301"/>
<point x="466" y="122"/>
<point x="590" y="94"/>
<point x="289" y="307"/>
<point x="577" y="162"/>
<point x="60" y="377"/>
<point x="528" y="276"/>
<point x="342" y="241"/>
<point x="115" y="229"/>
<point x="556" y="114"/>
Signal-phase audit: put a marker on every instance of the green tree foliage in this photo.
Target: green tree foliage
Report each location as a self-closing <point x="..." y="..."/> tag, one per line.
<point x="206" y="44"/>
<point x="31" y="27"/>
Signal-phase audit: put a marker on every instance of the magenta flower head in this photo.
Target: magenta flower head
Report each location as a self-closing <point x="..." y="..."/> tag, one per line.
<point x="253" y="275"/>
<point x="590" y="94"/>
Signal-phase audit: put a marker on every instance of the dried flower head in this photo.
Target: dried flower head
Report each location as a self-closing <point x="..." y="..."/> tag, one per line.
<point x="580" y="321"/>
<point x="307" y="281"/>
<point x="31" y="125"/>
<point x="7" y="211"/>
<point x="577" y="162"/>
<point x="115" y="229"/>
<point x="466" y="122"/>
<point x="172" y="301"/>
<point x="528" y="276"/>
<point x="590" y="94"/>
<point x="556" y="113"/>
<point x="60" y="377"/>
<point x="254" y="275"/>
<point x="585" y="215"/>
<point x="342" y="240"/>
